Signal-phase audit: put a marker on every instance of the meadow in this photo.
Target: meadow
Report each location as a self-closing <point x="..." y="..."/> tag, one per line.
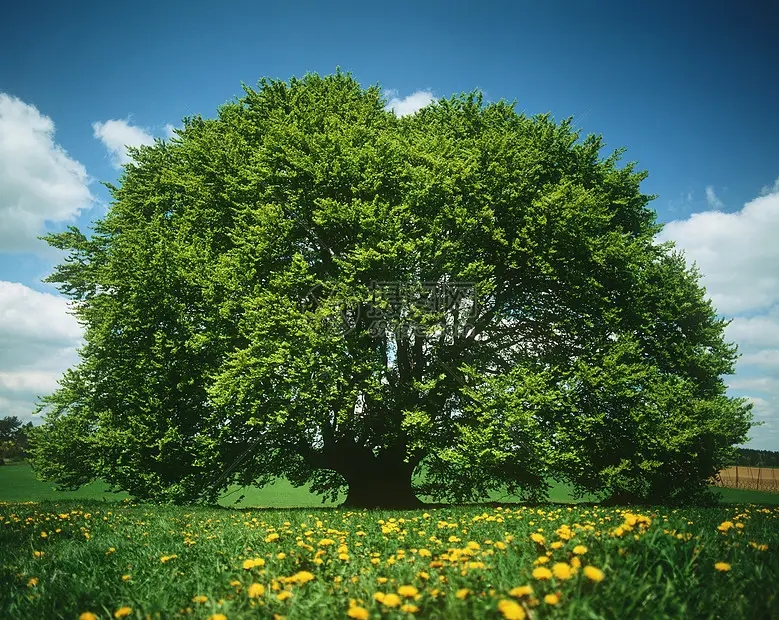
<point x="88" y="558"/>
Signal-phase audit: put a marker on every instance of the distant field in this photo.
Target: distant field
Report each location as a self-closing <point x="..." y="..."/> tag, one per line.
<point x="753" y="478"/>
<point x="19" y="484"/>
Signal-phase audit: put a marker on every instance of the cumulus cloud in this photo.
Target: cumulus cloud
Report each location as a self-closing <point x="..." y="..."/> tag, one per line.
<point x="39" y="181"/>
<point x="408" y="105"/>
<point x="116" y="135"/>
<point x="738" y="256"/>
<point x="38" y="341"/>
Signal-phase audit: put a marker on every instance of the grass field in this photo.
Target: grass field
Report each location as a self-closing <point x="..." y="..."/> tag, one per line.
<point x="82" y="556"/>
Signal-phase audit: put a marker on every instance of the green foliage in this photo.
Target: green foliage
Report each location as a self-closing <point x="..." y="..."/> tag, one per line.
<point x="237" y="327"/>
<point x="13" y="438"/>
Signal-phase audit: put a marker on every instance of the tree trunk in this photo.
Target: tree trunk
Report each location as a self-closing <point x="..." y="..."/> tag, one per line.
<point x="380" y="483"/>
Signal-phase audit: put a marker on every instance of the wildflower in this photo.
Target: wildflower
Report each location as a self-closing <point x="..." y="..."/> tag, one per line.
<point x="167" y="558"/>
<point x="511" y="610"/>
<point x="217" y="617"/>
<point x="561" y="570"/>
<point x="722" y="566"/>
<point x="44" y="535"/>
<point x="537" y="538"/>
<point x="408" y="591"/>
<point x="37" y="554"/>
<point x="381" y="579"/>
<point x="255" y="590"/>
<point x="32" y="582"/>
<point x="123" y="612"/>
<point x="271" y="537"/>
<point x="551" y="599"/>
<point x="424" y="575"/>
<point x="379" y="597"/>
<point x="575" y="562"/>
<point x="462" y="593"/>
<point x="725" y="526"/>
<point x="593" y="574"/>
<point x="126" y="577"/>
<point x="358" y="613"/>
<point x="235" y="583"/>
<point x="521" y="591"/>
<point x="284" y="595"/>
<point x="303" y="577"/>
<point x="249" y="564"/>
<point x="87" y="615"/>
<point x="409" y="608"/>
<point x="556" y="545"/>
<point x="541" y="572"/>
<point x="391" y="600"/>
<point x="580" y="549"/>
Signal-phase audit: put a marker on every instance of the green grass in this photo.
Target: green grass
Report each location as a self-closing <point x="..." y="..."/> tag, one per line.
<point x="100" y="557"/>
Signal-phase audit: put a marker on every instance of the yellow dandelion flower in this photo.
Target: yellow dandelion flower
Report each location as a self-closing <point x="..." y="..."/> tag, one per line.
<point x="424" y="553"/>
<point x="284" y="595"/>
<point x="391" y="600"/>
<point x="126" y="577"/>
<point x="358" y="613"/>
<point x="556" y="545"/>
<point x="379" y="597"/>
<point x="511" y="610"/>
<point x="725" y="526"/>
<point x="33" y="581"/>
<point x="87" y="615"/>
<point x="521" y="591"/>
<point x="256" y="590"/>
<point x="271" y="537"/>
<point x="722" y="566"/>
<point x="281" y="555"/>
<point x="381" y="580"/>
<point x="409" y="608"/>
<point x="303" y="577"/>
<point x="217" y="617"/>
<point x="123" y="612"/>
<point x="541" y="572"/>
<point x="37" y="554"/>
<point x="44" y="535"/>
<point x="551" y="599"/>
<point x="235" y="583"/>
<point x="537" y="538"/>
<point x="593" y="574"/>
<point x="408" y="591"/>
<point x="580" y="549"/>
<point x="561" y="570"/>
<point x="462" y="593"/>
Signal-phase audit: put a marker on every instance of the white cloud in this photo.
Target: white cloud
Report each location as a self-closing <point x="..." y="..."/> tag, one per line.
<point x="170" y="131"/>
<point x="770" y="190"/>
<point x="738" y="256"/>
<point x="38" y="340"/>
<point x="39" y="181"/>
<point x="711" y="198"/>
<point x="409" y="105"/>
<point x="116" y="135"/>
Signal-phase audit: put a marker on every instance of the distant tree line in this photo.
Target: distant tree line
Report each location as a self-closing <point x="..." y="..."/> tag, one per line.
<point x="757" y="458"/>
<point x="13" y="438"/>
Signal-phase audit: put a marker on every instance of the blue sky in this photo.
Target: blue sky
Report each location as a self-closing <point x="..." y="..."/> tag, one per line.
<point x="689" y="88"/>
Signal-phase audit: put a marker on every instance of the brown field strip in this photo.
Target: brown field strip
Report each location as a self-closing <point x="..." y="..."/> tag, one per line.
<point x="753" y="478"/>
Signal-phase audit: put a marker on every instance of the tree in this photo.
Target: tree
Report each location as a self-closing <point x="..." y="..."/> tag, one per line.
<point x="308" y="286"/>
<point x="13" y="438"/>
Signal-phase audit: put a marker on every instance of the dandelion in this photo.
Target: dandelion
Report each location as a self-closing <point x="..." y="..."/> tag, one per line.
<point x="537" y="538"/>
<point x="32" y="582"/>
<point x="37" y="554"/>
<point x="303" y="577"/>
<point x="168" y="558"/>
<point x="561" y="570"/>
<point x="379" y="597"/>
<point x="123" y="612"/>
<point x="235" y="583"/>
<point x="409" y="608"/>
<point x="521" y="591"/>
<point x="255" y="590"/>
<point x="391" y="600"/>
<point x="541" y="572"/>
<point x="408" y="591"/>
<point x="462" y="593"/>
<point x="511" y="610"/>
<point x="217" y="617"/>
<point x="87" y="615"/>
<point x="200" y="598"/>
<point x="556" y="545"/>
<point x="551" y="599"/>
<point x="44" y="535"/>
<point x="725" y="526"/>
<point x="580" y="549"/>
<point x="358" y="613"/>
<point x="593" y="574"/>
<point x="249" y="564"/>
<point x="722" y="566"/>
<point x="284" y="595"/>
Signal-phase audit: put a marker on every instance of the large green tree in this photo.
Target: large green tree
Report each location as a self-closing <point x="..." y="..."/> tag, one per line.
<point x="308" y="286"/>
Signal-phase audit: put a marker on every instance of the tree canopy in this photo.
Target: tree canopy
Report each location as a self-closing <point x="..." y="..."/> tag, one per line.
<point x="308" y="286"/>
